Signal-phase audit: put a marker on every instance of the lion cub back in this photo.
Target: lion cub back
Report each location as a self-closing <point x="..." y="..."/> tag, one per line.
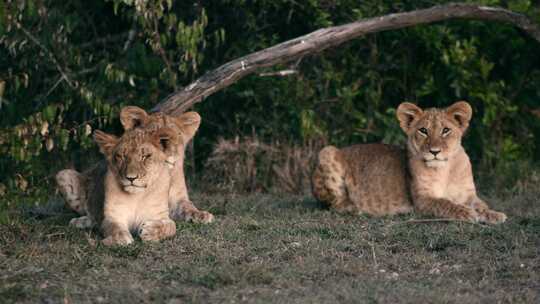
<point x="366" y="178"/>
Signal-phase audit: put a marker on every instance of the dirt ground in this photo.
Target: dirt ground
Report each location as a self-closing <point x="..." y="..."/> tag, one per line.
<point x="279" y="249"/>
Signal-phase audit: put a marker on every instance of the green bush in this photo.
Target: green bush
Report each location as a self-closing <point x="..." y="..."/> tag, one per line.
<point x="68" y="67"/>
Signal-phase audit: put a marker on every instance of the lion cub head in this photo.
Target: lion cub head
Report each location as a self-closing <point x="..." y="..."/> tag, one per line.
<point x="184" y="125"/>
<point x="137" y="159"/>
<point x="434" y="135"/>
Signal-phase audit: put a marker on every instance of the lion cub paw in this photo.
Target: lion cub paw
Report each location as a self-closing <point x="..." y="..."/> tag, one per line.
<point x="492" y="217"/>
<point x="201" y="217"/>
<point x="157" y="230"/>
<point x="118" y="239"/>
<point x="83" y="222"/>
<point x="466" y="214"/>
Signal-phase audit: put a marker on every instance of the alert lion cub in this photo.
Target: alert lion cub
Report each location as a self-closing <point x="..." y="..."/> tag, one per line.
<point x="433" y="176"/>
<point x="131" y="195"/>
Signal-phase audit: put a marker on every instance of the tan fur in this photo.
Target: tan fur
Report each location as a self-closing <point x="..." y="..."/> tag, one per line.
<point x="131" y="194"/>
<point x="434" y="175"/>
<point x="185" y="125"/>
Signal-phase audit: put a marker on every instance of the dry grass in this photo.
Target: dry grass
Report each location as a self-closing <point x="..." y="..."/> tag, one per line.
<point x="249" y="165"/>
<point x="279" y="249"/>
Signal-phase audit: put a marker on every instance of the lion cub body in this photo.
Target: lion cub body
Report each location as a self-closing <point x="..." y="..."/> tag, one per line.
<point x="130" y="195"/>
<point x="84" y="192"/>
<point x="369" y="178"/>
<point x="433" y="176"/>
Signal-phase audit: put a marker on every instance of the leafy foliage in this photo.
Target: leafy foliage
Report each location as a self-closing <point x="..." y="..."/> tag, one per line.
<point x="68" y="67"/>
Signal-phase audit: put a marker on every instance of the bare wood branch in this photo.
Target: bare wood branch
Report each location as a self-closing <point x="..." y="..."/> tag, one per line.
<point x="279" y="73"/>
<point x="60" y="69"/>
<point x="319" y="40"/>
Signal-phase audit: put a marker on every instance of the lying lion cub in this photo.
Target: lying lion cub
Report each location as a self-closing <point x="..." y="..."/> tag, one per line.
<point x="434" y="175"/>
<point x="72" y="184"/>
<point x="132" y="194"/>
<point x="185" y="125"/>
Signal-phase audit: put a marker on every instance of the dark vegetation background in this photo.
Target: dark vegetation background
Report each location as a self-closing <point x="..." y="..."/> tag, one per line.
<point x="67" y="67"/>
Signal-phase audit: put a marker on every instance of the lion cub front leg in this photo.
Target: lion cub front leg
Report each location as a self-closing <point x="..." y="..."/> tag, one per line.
<point x="485" y="214"/>
<point x="441" y="207"/>
<point x="181" y="208"/>
<point x="156" y="230"/>
<point x="115" y="233"/>
<point x="186" y="211"/>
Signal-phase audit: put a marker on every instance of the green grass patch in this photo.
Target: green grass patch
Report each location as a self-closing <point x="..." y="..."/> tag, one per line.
<point x="270" y="248"/>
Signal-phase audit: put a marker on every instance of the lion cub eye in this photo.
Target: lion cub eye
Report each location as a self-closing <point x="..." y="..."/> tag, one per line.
<point x="423" y="131"/>
<point x="445" y="131"/>
<point x="146" y="156"/>
<point x="118" y="157"/>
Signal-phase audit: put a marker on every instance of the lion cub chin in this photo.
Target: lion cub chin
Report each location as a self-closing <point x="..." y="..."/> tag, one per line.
<point x="131" y="195"/>
<point x="433" y="176"/>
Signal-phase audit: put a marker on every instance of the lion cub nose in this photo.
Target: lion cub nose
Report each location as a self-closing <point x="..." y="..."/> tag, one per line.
<point x="131" y="178"/>
<point x="434" y="151"/>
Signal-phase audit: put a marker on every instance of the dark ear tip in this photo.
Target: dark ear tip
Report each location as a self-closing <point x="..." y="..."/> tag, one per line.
<point x="462" y="103"/>
<point x="192" y="117"/>
<point x="131" y="108"/>
<point x="407" y="105"/>
<point x="132" y="116"/>
<point x="408" y="108"/>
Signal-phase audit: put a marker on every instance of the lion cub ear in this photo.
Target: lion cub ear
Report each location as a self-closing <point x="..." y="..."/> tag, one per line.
<point x="166" y="140"/>
<point x="188" y="123"/>
<point x="106" y="142"/>
<point x="406" y="113"/>
<point x="132" y="117"/>
<point x="460" y="112"/>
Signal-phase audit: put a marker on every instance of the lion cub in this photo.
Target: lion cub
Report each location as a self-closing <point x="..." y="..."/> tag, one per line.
<point x="185" y="125"/>
<point x="131" y="195"/>
<point x="433" y="176"/>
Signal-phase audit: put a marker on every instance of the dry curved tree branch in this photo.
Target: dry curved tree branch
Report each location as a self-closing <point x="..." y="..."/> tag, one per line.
<point x="319" y="40"/>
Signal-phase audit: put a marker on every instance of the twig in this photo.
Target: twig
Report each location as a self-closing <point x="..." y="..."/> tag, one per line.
<point x="131" y="34"/>
<point x="55" y="85"/>
<point x="49" y="53"/>
<point x="373" y="254"/>
<point x="422" y="221"/>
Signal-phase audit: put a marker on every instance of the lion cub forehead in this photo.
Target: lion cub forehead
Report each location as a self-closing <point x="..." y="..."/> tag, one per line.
<point x="434" y="117"/>
<point x="157" y="121"/>
<point x="134" y="139"/>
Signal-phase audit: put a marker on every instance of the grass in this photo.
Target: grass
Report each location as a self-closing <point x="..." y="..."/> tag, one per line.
<point x="280" y="249"/>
